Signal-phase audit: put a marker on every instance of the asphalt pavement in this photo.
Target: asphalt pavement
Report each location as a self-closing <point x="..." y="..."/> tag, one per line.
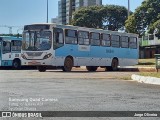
<point x="75" y="91"/>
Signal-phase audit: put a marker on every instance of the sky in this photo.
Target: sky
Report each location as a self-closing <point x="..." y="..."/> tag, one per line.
<point x="18" y="13"/>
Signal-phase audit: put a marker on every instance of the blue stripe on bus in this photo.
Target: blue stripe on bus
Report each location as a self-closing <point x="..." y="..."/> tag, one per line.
<point x="97" y="52"/>
<point x="6" y="63"/>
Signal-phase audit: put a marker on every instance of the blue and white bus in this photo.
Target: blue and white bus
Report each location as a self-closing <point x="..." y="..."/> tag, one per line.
<point x="10" y="51"/>
<point x="46" y="45"/>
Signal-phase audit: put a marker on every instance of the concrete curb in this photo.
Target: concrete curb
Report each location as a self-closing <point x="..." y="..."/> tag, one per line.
<point x="147" y="80"/>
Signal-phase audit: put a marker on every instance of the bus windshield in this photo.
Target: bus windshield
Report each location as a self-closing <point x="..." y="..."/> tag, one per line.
<point x="37" y="40"/>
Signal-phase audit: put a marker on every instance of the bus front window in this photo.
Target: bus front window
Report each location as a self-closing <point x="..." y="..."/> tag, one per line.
<point x="37" y="40"/>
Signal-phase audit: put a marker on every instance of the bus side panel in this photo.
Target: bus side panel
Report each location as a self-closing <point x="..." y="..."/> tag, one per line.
<point x="96" y="55"/>
<point x="80" y="57"/>
<point x="6" y="62"/>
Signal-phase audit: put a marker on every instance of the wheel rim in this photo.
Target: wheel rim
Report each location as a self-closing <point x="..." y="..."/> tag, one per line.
<point x="15" y="64"/>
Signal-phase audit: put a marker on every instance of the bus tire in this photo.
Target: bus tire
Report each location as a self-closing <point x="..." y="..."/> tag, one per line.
<point x="91" y="68"/>
<point x="68" y="64"/>
<point x="16" y="64"/>
<point x="114" y="65"/>
<point x="41" y="68"/>
<point x="108" y="68"/>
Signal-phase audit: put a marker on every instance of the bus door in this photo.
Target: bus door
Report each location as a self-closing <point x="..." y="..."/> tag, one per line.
<point x="6" y="53"/>
<point x="83" y="47"/>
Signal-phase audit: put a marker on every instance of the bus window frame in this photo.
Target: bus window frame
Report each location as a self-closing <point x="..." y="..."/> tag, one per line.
<point x="83" y="38"/>
<point x="76" y="38"/>
<point x="122" y="41"/>
<point x="95" y="39"/>
<point x="12" y="41"/>
<point x="114" y="40"/>
<point x="54" y="36"/>
<point x="105" y="40"/>
<point x="4" y="52"/>
<point x="136" y="43"/>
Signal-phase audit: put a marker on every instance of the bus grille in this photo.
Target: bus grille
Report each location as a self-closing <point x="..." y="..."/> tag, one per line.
<point x="34" y="53"/>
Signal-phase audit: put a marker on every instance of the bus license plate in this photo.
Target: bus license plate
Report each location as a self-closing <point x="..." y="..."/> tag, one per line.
<point x="34" y="63"/>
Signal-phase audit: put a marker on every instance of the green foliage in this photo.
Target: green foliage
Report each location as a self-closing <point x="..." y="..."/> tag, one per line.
<point x="111" y="17"/>
<point x="144" y="17"/>
<point x="88" y="17"/>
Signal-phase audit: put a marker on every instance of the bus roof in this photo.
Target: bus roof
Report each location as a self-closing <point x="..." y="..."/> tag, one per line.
<point x="10" y="38"/>
<point x="85" y="28"/>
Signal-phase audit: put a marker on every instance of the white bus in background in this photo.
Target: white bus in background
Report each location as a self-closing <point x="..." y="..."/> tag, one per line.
<point x="46" y="45"/>
<point x="10" y="51"/>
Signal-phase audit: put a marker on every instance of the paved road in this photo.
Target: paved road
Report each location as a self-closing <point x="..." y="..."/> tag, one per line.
<point x="76" y="91"/>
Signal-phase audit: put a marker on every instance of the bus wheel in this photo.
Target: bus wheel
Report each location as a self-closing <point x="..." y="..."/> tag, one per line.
<point x="108" y="68"/>
<point x="68" y="64"/>
<point x="41" y="68"/>
<point x="16" y="64"/>
<point x="91" y="68"/>
<point x="114" y="65"/>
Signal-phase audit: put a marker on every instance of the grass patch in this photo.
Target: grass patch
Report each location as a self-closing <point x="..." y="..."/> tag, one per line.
<point x="151" y="74"/>
<point x="126" y="78"/>
<point x="146" y="62"/>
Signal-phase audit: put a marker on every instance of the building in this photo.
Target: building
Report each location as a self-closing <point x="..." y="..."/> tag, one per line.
<point x="55" y="20"/>
<point x="149" y="45"/>
<point x="62" y="12"/>
<point x="63" y="8"/>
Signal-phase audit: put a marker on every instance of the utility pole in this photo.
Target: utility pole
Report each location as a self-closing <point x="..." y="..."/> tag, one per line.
<point x="70" y="11"/>
<point x="47" y="11"/>
<point x="128" y="8"/>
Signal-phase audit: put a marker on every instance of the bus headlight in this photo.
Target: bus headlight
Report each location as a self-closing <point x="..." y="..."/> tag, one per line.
<point x="23" y="56"/>
<point x="47" y="56"/>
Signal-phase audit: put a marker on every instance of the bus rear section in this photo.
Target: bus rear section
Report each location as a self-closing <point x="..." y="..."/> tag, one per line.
<point x="10" y="51"/>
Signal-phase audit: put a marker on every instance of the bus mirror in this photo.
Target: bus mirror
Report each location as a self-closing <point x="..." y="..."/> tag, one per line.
<point x="4" y="43"/>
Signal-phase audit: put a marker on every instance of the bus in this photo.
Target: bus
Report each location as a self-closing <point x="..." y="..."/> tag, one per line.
<point x="65" y="46"/>
<point x="10" y="51"/>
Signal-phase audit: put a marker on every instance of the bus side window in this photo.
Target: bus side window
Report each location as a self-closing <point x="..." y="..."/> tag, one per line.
<point x="83" y="38"/>
<point x="115" y="41"/>
<point x="106" y="40"/>
<point x="6" y="47"/>
<point x="59" y="35"/>
<point x="133" y="42"/>
<point x="16" y="45"/>
<point x="124" y="42"/>
<point x="95" y="39"/>
<point x="70" y="36"/>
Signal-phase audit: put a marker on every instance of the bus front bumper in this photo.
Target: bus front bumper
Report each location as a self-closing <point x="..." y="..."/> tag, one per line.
<point x="46" y="62"/>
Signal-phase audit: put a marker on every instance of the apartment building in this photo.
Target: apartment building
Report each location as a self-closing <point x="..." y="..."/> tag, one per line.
<point x="63" y="8"/>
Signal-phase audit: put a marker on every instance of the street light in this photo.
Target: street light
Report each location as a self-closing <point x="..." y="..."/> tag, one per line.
<point x="128" y="8"/>
<point x="47" y="11"/>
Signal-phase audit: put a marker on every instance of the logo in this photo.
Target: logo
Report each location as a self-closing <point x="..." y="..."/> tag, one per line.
<point x="6" y="114"/>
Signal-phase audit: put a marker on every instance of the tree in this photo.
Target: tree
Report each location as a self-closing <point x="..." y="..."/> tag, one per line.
<point x="110" y="17"/>
<point x="144" y="17"/>
<point x="88" y="17"/>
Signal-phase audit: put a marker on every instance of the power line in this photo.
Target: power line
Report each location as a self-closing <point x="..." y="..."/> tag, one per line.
<point x="10" y="27"/>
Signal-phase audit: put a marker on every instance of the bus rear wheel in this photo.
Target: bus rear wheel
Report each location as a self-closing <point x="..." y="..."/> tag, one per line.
<point x="41" y="68"/>
<point x="91" y="68"/>
<point x="114" y="65"/>
<point x="16" y="64"/>
<point x="68" y="64"/>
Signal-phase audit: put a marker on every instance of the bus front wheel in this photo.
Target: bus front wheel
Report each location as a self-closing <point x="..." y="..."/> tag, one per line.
<point x="16" y="64"/>
<point x="41" y="68"/>
<point x="68" y="64"/>
<point x="91" y="68"/>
